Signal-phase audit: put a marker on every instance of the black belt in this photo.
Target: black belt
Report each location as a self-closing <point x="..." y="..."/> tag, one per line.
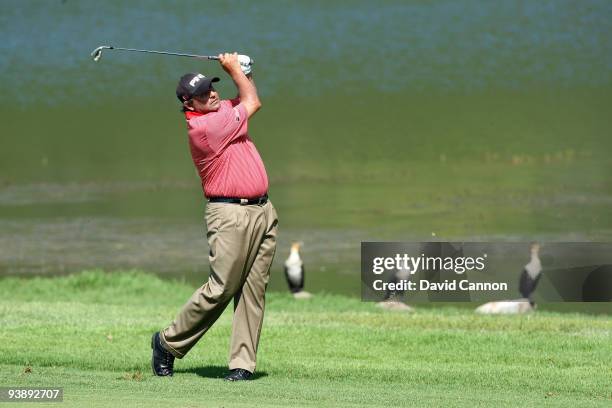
<point x="242" y="201"/>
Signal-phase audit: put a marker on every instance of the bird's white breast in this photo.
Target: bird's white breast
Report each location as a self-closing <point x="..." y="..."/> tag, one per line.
<point x="534" y="267"/>
<point x="294" y="267"/>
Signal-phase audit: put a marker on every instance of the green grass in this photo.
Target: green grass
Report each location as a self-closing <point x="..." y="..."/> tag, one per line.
<point x="90" y="333"/>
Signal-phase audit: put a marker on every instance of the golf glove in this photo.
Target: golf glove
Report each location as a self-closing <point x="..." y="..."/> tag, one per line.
<point x="246" y="63"/>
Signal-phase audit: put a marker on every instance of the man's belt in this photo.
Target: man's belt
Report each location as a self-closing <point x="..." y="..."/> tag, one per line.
<point x="242" y="201"/>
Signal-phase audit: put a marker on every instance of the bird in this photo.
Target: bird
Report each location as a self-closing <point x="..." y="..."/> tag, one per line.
<point x="528" y="282"/>
<point x="294" y="272"/>
<point x="393" y="298"/>
<point x="531" y="274"/>
<point x="401" y="274"/>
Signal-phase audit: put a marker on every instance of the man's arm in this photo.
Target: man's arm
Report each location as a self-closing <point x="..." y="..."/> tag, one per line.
<point x="246" y="86"/>
<point x="250" y="78"/>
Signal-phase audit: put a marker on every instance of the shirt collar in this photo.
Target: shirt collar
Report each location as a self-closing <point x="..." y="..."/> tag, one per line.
<point x="191" y="114"/>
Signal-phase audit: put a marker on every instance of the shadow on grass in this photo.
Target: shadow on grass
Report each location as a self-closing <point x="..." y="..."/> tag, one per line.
<point x="216" y="372"/>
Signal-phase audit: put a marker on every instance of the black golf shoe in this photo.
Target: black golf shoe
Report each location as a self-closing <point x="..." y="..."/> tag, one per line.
<point x="239" y="374"/>
<point x="162" y="361"/>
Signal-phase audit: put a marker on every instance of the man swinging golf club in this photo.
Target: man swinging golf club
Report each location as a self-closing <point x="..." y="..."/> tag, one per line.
<point x="240" y="220"/>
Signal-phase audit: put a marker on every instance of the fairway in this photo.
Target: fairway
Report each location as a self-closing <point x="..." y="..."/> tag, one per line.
<point x="90" y="333"/>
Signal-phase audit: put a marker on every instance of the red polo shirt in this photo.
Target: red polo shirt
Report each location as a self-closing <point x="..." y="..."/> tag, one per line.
<point x="224" y="154"/>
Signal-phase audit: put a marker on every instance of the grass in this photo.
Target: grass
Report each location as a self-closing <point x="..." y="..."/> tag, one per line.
<point x="90" y="333"/>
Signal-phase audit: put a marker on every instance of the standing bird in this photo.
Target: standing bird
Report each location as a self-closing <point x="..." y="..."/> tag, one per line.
<point x="527" y="284"/>
<point x="531" y="274"/>
<point x="294" y="272"/>
<point x="393" y="298"/>
<point x="398" y="276"/>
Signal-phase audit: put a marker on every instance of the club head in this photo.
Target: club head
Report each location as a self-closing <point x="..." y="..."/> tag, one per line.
<point x="97" y="53"/>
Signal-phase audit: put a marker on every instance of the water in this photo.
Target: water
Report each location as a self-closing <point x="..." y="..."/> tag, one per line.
<point x="399" y="120"/>
<point x="309" y="49"/>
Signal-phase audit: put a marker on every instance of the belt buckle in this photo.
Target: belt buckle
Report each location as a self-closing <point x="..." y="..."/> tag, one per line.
<point x="244" y="201"/>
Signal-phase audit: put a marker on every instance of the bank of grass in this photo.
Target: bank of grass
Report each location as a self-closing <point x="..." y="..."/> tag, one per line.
<point x="90" y="333"/>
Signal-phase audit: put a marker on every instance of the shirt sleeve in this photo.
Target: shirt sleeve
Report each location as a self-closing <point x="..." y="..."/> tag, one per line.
<point x="226" y="125"/>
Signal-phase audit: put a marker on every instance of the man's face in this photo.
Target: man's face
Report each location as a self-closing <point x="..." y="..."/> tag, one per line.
<point x="206" y="102"/>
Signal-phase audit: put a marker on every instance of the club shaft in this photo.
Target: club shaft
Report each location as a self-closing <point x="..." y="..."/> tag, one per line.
<point x="178" y="54"/>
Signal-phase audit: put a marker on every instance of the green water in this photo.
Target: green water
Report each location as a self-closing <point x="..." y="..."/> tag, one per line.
<point x="394" y="121"/>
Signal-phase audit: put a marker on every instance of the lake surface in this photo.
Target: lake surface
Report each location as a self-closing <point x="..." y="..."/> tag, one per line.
<point x="459" y="120"/>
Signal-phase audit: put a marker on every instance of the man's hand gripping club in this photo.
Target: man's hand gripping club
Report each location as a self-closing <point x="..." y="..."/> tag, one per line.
<point x="246" y="87"/>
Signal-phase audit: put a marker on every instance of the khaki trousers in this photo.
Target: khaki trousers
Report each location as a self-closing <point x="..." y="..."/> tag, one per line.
<point x="242" y="241"/>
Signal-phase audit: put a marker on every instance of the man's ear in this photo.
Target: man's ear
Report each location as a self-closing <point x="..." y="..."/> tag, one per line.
<point x="188" y="105"/>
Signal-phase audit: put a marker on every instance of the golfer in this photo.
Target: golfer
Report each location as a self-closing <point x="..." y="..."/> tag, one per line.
<point x="240" y="220"/>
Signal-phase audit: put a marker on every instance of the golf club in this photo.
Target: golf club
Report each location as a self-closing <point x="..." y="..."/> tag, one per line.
<point x="97" y="53"/>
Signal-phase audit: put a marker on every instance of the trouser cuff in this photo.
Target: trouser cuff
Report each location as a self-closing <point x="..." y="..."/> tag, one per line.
<point x="168" y="347"/>
<point x="240" y="363"/>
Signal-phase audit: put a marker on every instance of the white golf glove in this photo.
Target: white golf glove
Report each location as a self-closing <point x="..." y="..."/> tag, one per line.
<point x="246" y="64"/>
